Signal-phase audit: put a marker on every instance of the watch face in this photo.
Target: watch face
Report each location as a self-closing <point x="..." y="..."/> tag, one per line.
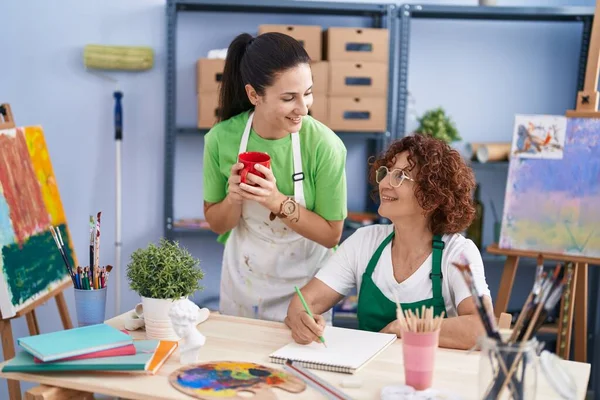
<point x="289" y="207"/>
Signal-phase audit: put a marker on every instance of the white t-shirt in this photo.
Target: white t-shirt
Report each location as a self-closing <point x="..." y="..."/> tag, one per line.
<point x="344" y="270"/>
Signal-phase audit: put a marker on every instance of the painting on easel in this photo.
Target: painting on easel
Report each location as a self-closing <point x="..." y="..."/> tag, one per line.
<point x="552" y="201"/>
<point x="30" y="265"/>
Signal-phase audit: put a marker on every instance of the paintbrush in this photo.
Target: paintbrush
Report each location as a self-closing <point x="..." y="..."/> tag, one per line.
<point x="92" y="229"/>
<point x="60" y="245"/>
<point x="488" y="322"/>
<point x="538" y="274"/>
<point x="97" y="253"/>
<point x="534" y="320"/>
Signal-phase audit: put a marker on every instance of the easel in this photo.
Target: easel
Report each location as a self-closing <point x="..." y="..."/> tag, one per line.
<point x="577" y="306"/>
<point x="8" y="345"/>
<point x="569" y="307"/>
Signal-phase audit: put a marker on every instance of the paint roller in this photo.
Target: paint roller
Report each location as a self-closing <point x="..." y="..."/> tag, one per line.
<point x="124" y="58"/>
<point x="121" y="58"/>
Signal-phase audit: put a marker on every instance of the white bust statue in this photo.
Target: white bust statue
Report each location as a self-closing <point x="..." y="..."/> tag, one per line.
<point x="184" y="317"/>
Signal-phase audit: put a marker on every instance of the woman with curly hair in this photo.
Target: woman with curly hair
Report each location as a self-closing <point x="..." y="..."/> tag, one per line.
<point x="425" y="191"/>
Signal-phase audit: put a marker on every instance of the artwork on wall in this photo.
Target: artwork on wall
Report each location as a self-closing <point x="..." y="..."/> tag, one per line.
<point x="553" y="195"/>
<point x="30" y="264"/>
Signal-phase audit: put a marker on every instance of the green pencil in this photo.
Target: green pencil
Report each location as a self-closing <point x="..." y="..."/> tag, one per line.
<point x="321" y="338"/>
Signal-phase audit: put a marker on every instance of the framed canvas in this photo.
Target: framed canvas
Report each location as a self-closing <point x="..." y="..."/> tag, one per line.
<point x="552" y="201"/>
<point x="30" y="263"/>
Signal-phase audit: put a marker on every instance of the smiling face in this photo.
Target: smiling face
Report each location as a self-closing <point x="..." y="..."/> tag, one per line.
<point x="286" y="101"/>
<point x="399" y="202"/>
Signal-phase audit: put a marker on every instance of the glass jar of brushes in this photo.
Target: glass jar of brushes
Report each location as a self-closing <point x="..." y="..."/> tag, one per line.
<point x="508" y="370"/>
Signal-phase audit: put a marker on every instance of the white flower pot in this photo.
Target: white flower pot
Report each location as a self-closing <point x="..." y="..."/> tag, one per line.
<point x="156" y="318"/>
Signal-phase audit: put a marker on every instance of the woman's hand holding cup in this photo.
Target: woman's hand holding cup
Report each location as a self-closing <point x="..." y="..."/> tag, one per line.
<point x="235" y="192"/>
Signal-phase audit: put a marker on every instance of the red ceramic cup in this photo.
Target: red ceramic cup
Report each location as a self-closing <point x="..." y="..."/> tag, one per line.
<point x="250" y="159"/>
<point x="419" y="350"/>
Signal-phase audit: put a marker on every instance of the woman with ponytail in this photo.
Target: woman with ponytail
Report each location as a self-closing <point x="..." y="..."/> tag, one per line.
<point x="278" y="230"/>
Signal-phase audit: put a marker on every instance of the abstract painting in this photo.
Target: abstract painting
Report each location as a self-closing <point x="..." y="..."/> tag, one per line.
<point x="539" y="136"/>
<point x="553" y="204"/>
<point x="30" y="264"/>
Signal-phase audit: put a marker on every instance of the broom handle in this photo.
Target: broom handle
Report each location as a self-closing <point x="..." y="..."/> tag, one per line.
<point x="118" y="139"/>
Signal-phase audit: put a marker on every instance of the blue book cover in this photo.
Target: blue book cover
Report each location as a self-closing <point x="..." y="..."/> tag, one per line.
<point x="145" y="349"/>
<point x="74" y="342"/>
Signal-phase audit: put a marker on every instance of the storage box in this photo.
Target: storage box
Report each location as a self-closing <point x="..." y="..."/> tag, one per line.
<point x="208" y="109"/>
<point x="357" y="44"/>
<point x="319" y="108"/>
<point x="354" y="78"/>
<point x="209" y="73"/>
<point x="320" y="75"/>
<point x="366" y="114"/>
<point x="308" y="35"/>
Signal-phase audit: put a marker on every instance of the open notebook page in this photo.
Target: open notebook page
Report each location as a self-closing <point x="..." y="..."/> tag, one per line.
<point x="347" y="350"/>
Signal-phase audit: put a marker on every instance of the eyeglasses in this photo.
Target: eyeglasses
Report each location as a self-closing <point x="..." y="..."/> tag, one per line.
<point x="396" y="178"/>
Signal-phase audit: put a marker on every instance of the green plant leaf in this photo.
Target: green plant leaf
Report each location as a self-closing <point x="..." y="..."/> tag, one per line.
<point x="166" y="271"/>
<point x="438" y="125"/>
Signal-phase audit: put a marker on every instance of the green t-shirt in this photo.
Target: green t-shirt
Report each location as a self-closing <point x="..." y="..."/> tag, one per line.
<point x="323" y="163"/>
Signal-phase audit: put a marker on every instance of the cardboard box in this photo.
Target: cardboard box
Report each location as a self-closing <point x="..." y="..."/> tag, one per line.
<point x="357" y="44"/>
<point x="355" y="78"/>
<point x="308" y="35"/>
<point x="208" y="109"/>
<point x="320" y="75"/>
<point x="319" y="108"/>
<point x="209" y="73"/>
<point x="365" y="114"/>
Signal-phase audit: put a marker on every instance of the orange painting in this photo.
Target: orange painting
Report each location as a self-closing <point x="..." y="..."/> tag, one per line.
<point x="40" y="159"/>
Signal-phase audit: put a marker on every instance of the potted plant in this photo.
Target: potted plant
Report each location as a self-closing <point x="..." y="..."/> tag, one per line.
<point x="437" y="124"/>
<point x="162" y="275"/>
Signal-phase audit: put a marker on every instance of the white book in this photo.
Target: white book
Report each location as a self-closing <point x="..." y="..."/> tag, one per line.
<point x="347" y="351"/>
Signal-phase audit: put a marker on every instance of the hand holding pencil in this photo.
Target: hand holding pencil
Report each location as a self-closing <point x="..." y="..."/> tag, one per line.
<point x="307" y="327"/>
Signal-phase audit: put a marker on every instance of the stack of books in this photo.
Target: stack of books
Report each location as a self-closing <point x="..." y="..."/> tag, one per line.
<point x="91" y="348"/>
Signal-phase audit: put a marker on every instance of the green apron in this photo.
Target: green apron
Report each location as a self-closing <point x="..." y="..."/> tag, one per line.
<point x="375" y="311"/>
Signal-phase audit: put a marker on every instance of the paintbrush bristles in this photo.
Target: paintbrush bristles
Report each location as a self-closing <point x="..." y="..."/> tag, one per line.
<point x="423" y="321"/>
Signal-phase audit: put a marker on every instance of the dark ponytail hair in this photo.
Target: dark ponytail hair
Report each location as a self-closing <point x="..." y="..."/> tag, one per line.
<point x="255" y="61"/>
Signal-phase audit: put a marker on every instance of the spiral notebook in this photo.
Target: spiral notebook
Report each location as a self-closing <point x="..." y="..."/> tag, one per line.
<point x="347" y="351"/>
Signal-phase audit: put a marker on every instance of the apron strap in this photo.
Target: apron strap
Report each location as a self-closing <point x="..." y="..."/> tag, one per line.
<point x="298" y="175"/>
<point x="375" y="258"/>
<point x="436" y="266"/>
<point x="246" y="135"/>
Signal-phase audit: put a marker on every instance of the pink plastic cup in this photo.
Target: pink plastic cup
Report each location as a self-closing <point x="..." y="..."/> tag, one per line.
<point x="419" y="350"/>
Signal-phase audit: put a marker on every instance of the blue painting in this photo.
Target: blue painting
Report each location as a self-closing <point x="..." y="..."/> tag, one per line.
<point x="552" y="203"/>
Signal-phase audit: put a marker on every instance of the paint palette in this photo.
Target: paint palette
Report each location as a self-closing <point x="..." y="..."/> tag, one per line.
<point x="226" y="379"/>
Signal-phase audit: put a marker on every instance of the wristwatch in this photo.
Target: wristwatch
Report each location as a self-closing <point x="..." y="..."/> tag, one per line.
<point x="288" y="209"/>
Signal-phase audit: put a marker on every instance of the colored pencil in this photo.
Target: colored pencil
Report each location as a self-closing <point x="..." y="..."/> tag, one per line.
<point x="419" y="322"/>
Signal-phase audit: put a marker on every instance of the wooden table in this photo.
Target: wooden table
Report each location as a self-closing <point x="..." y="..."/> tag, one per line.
<point x="240" y="339"/>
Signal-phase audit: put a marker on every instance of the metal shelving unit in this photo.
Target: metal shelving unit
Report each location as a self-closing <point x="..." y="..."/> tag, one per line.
<point x="396" y="18"/>
<point x="408" y="12"/>
<point x="383" y="16"/>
